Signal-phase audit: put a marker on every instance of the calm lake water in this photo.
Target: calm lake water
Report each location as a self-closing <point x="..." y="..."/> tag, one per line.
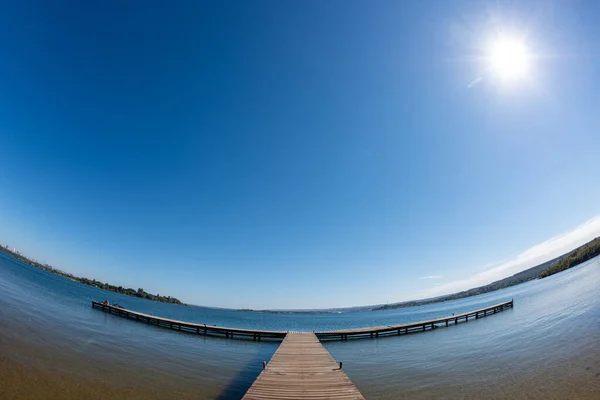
<point x="54" y="345"/>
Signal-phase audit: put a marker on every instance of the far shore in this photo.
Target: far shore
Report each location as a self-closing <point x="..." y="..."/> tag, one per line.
<point x="568" y="260"/>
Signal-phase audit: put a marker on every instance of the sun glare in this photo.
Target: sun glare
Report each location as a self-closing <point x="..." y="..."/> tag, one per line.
<point x="509" y="59"/>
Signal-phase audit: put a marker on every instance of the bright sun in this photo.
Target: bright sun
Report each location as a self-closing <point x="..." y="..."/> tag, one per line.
<point x="509" y="59"/>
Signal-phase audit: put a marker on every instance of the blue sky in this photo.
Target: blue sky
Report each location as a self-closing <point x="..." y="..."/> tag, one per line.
<point x="296" y="154"/>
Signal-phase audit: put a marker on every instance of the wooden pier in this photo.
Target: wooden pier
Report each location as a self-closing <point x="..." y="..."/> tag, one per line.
<point x="344" y="334"/>
<point x="189" y="327"/>
<point x="301" y="368"/>
<point x="413" y="327"/>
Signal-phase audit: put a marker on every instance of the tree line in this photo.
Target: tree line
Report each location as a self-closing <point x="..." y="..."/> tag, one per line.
<point x="571" y="259"/>
<point x="578" y="256"/>
<point x="141" y="293"/>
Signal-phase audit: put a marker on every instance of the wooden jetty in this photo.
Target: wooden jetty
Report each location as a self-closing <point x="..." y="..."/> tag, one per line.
<point x="301" y="368"/>
<point x="413" y="327"/>
<point x="344" y="334"/>
<point x="199" y="329"/>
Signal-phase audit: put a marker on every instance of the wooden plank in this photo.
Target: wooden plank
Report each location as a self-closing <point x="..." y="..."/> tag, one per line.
<point x="301" y="368"/>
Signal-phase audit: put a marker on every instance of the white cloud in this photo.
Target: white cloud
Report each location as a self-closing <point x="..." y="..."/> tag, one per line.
<point x="432" y="277"/>
<point x="531" y="257"/>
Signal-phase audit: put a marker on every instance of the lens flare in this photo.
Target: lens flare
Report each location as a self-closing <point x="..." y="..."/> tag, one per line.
<point x="509" y="59"/>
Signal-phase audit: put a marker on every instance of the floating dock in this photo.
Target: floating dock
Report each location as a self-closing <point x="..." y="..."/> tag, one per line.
<point x="301" y="368"/>
<point x="344" y="334"/>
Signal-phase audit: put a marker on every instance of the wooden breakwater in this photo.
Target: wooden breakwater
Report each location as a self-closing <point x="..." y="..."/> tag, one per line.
<point x="344" y="334"/>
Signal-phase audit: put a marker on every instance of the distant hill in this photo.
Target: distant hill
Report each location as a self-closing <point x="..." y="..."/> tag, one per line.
<point x="576" y="257"/>
<point x="141" y="293"/>
<point x="568" y="260"/>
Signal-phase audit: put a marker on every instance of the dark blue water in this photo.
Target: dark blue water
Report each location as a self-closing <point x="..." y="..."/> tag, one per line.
<point x="546" y="347"/>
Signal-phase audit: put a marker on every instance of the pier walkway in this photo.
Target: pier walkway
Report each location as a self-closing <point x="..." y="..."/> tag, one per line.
<point x="199" y="329"/>
<point x="421" y="326"/>
<point x="301" y="368"/>
<point x="344" y="334"/>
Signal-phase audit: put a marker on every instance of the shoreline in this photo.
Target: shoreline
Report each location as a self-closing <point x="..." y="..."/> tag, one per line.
<point x="140" y="293"/>
<point x="559" y="264"/>
<point x="47" y="353"/>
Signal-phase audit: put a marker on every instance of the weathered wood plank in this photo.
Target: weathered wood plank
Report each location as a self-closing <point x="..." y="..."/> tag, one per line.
<point x="301" y="368"/>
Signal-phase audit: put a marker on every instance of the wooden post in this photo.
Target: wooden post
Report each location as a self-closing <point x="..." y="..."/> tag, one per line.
<point x="423" y="327"/>
<point x="264" y="364"/>
<point x="340" y="365"/>
<point x="446" y="322"/>
<point x="376" y="334"/>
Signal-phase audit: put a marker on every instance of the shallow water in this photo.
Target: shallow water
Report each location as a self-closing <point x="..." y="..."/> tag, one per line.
<point x="54" y="345"/>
